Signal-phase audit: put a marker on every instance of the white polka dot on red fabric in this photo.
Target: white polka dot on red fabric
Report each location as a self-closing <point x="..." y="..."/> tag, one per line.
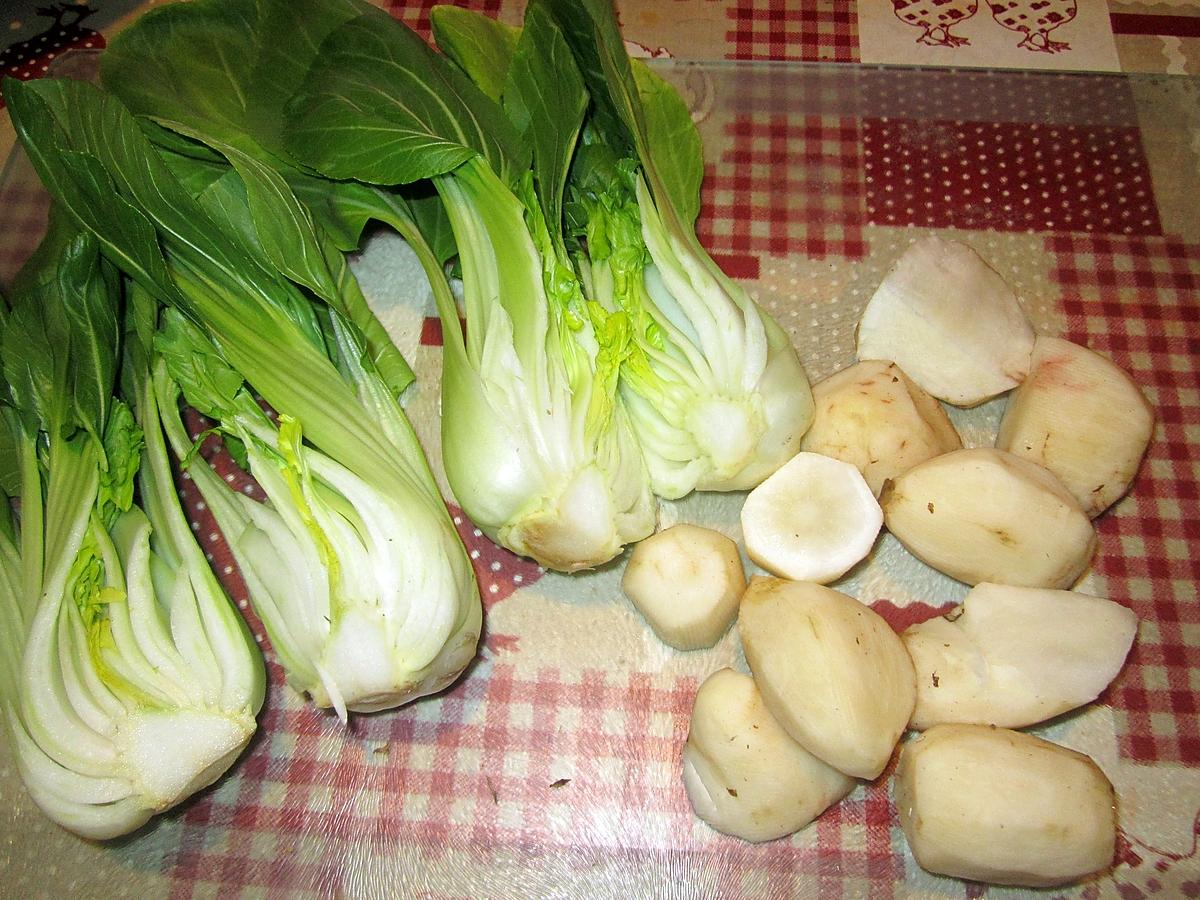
<point x="1088" y="167"/>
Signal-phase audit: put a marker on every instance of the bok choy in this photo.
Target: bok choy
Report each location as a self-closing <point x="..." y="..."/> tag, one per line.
<point x="129" y="681"/>
<point x="536" y="442"/>
<point x="716" y="393"/>
<point x="354" y="565"/>
<point x="714" y="390"/>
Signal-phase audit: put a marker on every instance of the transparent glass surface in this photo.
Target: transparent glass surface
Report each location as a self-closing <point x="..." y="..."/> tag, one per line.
<point x="553" y="767"/>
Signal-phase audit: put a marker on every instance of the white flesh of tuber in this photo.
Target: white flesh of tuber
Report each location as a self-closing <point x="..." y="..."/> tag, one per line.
<point x="989" y="804"/>
<point x="986" y="515"/>
<point x="811" y="520"/>
<point x="831" y="670"/>
<point x="874" y="417"/>
<point x="1083" y="418"/>
<point x="686" y="581"/>
<point x="950" y="322"/>
<point x="1013" y="656"/>
<point x="744" y="776"/>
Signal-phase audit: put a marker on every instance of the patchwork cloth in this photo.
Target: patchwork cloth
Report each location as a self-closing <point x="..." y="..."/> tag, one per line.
<point x="552" y="767"/>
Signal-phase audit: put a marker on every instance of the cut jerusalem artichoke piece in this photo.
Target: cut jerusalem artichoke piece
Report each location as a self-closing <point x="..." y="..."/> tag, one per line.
<point x="1013" y="656"/>
<point x="988" y="804"/>
<point x="950" y="322"/>
<point x="986" y="515"/>
<point x="874" y="417"/>
<point x="1083" y="418"/>
<point x="686" y="581"/>
<point x="831" y="671"/>
<point x="811" y="520"/>
<point x="743" y="774"/>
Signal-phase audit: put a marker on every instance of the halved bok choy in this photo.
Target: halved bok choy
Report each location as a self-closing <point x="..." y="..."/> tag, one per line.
<point x="536" y="442"/>
<point x="129" y="681"/>
<point x="354" y="565"/>
<point x="715" y="391"/>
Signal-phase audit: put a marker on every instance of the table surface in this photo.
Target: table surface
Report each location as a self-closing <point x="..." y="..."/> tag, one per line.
<point x="552" y="767"/>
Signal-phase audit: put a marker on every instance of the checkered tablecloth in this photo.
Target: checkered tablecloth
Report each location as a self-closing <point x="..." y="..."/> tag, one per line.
<point x="552" y="767"/>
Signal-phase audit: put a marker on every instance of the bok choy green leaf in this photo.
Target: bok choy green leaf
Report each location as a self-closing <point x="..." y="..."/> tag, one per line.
<point x="200" y="72"/>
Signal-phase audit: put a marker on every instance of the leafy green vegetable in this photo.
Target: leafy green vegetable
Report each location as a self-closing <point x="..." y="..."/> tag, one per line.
<point x="425" y="121"/>
<point x="536" y="445"/>
<point x="128" y="680"/>
<point x="481" y="45"/>
<point x="197" y="69"/>
<point x="716" y="393"/>
<point x="354" y="566"/>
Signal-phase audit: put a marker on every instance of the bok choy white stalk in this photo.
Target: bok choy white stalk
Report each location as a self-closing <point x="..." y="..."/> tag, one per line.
<point x="536" y="442"/>
<point x="355" y="567"/>
<point x="129" y="680"/>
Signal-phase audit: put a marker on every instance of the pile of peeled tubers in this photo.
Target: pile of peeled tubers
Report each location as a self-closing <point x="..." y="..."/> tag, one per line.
<point x="833" y="688"/>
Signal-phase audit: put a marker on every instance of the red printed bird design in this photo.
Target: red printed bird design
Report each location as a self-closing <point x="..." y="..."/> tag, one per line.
<point x="936" y="17"/>
<point x="1035" y="19"/>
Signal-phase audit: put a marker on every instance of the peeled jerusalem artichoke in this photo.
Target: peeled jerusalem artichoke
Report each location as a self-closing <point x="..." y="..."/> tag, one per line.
<point x="950" y="322"/>
<point x="874" y="417"/>
<point x="744" y="776"/>
<point x="982" y="514"/>
<point x="1000" y="806"/>
<point x="686" y="581"/>
<point x="831" y="671"/>
<point x="811" y="520"/>
<point x="1015" y="656"/>
<point x="1081" y="417"/>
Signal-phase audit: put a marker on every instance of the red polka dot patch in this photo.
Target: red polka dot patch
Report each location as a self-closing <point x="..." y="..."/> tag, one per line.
<point x="1008" y="177"/>
<point x="65" y="31"/>
<point x="498" y="571"/>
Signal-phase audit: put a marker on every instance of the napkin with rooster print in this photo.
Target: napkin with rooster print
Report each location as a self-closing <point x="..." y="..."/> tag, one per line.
<point x="1069" y="35"/>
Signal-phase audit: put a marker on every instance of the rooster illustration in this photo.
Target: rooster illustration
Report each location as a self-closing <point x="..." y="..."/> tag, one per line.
<point x="1035" y="19"/>
<point x="936" y="17"/>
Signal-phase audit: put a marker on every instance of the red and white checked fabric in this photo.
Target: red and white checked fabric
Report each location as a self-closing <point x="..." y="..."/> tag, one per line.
<point x="785" y="185"/>
<point x="815" y="31"/>
<point x="542" y="776"/>
<point x="1137" y="300"/>
<point x="544" y="768"/>
<point x="415" y="13"/>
